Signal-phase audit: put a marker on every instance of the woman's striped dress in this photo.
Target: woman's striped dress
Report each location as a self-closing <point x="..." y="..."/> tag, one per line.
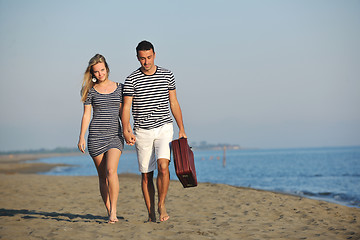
<point x="105" y="129"/>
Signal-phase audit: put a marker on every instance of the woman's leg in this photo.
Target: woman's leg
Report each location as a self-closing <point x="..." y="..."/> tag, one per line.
<point x="112" y="161"/>
<point x="100" y="164"/>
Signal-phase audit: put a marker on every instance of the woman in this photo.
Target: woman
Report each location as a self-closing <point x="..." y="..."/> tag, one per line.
<point x="105" y="140"/>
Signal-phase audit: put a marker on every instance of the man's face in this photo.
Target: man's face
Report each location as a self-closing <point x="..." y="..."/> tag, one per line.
<point x="146" y="59"/>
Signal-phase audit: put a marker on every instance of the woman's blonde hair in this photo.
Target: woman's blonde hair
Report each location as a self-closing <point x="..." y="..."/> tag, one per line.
<point x="87" y="83"/>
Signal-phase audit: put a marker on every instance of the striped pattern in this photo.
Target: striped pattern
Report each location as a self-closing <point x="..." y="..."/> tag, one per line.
<point x="105" y="130"/>
<point x="150" y="106"/>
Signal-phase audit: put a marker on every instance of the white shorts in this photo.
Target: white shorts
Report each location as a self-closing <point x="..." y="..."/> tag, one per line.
<point x="153" y="144"/>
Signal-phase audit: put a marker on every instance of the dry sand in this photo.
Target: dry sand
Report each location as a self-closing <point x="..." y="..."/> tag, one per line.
<point x="57" y="207"/>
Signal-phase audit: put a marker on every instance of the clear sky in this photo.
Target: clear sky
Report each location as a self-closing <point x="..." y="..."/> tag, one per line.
<point x="267" y="74"/>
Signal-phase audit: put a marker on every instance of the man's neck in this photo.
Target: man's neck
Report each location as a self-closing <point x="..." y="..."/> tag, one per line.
<point x="150" y="71"/>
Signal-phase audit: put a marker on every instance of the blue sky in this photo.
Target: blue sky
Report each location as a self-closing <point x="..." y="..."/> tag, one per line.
<point x="267" y="74"/>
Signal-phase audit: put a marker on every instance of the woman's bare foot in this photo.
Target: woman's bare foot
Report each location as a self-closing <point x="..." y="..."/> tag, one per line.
<point x="163" y="214"/>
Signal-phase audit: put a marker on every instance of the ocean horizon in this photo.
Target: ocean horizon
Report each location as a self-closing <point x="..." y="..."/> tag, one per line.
<point x="330" y="173"/>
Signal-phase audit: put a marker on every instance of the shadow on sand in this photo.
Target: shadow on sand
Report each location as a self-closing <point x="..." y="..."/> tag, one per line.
<point x="68" y="217"/>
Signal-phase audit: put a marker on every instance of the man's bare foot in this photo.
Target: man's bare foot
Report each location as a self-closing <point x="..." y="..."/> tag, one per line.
<point x="163" y="214"/>
<point x="152" y="217"/>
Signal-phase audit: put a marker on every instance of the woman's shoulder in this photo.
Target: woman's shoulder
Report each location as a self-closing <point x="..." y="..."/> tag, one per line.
<point x="119" y="84"/>
<point x="91" y="90"/>
<point x="120" y="87"/>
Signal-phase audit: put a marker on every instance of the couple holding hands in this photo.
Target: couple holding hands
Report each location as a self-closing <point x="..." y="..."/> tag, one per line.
<point x="148" y="92"/>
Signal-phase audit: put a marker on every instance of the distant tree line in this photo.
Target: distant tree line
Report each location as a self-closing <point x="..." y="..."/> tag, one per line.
<point x="203" y="145"/>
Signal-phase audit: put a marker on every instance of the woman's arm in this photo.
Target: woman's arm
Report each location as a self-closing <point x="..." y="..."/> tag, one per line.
<point x="120" y="110"/>
<point x="84" y="126"/>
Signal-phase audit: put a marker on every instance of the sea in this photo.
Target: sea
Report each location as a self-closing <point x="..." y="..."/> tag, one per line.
<point x="331" y="174"/>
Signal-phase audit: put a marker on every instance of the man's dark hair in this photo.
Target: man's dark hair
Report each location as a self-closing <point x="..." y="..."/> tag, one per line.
<point x="144" y="46"/>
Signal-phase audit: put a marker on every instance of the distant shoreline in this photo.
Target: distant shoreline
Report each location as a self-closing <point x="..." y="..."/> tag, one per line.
<point x="215" y="147"/>
<point x="17" y="163"/>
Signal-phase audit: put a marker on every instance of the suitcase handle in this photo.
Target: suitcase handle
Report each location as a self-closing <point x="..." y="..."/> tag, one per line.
<point x="185" y="138"/>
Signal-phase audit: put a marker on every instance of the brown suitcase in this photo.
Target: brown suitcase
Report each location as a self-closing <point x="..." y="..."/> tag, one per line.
<point x="184" y="162"/>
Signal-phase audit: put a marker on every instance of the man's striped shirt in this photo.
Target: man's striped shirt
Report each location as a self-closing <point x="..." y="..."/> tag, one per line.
<point x="150" y="106"/>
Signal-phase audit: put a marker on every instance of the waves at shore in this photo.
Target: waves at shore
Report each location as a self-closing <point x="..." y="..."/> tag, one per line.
<point x="330" y="174"/>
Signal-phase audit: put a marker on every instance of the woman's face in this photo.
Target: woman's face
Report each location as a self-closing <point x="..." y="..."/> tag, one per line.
<point x="100" y="72"/>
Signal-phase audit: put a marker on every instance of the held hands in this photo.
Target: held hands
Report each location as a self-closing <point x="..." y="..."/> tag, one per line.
<point x="82" y="145"/>
<point x="129" y="138"/>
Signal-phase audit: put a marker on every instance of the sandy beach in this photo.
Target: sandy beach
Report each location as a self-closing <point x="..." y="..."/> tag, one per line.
<point x="57" y="207"/>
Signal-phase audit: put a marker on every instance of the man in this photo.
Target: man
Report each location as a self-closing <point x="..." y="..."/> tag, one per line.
<point x="150" y="90"/>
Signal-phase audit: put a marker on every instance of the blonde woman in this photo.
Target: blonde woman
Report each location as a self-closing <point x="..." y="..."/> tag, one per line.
<point x="105" y="140"/>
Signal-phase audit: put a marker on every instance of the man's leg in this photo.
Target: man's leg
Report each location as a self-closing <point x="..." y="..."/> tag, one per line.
<point x="148" y="190"/>
<point x="147" y="165"/>
<point x="163" y="181"/>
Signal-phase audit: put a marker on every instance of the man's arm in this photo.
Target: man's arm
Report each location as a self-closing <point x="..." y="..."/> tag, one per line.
<point x="125" y="120"/>
<point x="176" y="111"/>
